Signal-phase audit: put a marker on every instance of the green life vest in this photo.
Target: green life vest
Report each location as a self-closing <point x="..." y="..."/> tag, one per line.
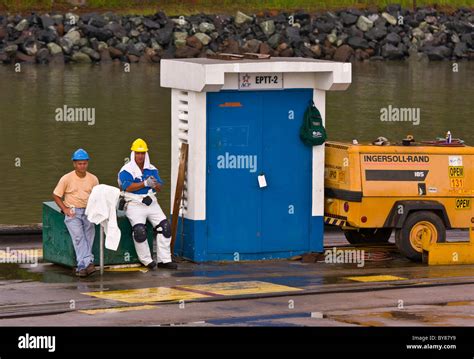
<point x="312" y="131"/>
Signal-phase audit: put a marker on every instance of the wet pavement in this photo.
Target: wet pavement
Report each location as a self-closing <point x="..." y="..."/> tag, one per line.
<point x="386" y="290"/>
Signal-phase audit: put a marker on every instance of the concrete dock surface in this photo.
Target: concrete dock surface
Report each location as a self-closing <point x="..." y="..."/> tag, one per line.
<point x="387" y="290"/>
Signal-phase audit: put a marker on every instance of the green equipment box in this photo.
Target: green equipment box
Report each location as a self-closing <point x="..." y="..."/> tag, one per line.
<point x="58" y="248"/>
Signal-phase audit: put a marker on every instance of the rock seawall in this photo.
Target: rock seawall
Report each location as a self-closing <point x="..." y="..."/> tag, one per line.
<point x="345" y="35"/>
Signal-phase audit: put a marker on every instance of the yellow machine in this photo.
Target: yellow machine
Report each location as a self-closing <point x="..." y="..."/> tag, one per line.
<point x="420" y="190"/>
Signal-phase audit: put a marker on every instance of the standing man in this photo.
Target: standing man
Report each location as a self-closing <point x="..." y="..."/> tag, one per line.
<point x="76" y="187"/>
<point x="140" y="181"/>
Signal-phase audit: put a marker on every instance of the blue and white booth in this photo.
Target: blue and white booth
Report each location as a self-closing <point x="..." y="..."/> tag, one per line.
<point x="253" y="190"/>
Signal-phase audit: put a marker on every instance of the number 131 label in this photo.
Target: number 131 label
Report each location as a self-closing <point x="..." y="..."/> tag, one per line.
<point x="456" y="182"/>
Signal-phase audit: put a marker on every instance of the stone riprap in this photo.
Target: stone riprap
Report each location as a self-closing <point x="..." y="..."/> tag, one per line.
<point x="393" y="33"/>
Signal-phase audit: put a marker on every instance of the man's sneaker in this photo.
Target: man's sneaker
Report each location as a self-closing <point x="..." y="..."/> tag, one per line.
<point x="90" y="269"/>
<point x="81" y="273"/>
<point x="151" y="265"/>
<point x="169" y="265"/>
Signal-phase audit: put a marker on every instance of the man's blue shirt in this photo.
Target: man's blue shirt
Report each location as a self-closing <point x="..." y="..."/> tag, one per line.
<point x="126" y="179"/>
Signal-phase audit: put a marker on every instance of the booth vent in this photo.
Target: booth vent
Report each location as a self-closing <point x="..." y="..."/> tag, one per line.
<point x="183" y="136"/>
<point x="183" y="113"/>
<point x="184" y="202"/>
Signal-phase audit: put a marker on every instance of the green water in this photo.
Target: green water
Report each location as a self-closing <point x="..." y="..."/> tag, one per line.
<point x="35" y="149"/>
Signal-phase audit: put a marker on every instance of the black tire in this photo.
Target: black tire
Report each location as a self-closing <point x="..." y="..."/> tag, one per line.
<point x="368" y="235"/>
<point x="402" y="235"/>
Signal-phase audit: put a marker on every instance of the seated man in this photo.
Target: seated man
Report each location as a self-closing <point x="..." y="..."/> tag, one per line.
<point x="76" y="187"/>
<point x="140" y="181"/>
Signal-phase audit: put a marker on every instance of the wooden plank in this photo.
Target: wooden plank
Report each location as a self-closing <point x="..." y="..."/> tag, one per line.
<point x="183" y="160"/>
<point x="225" y="56"/>
<point x="256" y="56"/>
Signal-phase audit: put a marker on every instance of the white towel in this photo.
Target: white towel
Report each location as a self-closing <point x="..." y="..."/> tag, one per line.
<point x="101" y="208"/>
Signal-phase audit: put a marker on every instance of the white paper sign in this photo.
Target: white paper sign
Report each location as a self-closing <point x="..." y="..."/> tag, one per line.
<point x="262" y="182"/>
<point x="455" y="160"/>
<point x="252" y="81"/>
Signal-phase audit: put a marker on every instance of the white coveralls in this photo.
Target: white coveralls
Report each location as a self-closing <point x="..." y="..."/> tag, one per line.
<point x="138" y="213"/>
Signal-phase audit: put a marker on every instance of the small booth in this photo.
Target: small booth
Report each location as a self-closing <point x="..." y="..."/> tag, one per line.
<point x="252" y="189"/>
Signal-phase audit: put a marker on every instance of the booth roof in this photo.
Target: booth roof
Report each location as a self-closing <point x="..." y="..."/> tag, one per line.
<point x="204" y="74"/>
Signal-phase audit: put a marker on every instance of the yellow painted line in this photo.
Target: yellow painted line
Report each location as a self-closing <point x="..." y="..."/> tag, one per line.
<point x="461" y="303"/>
<point x="375" y="278"/>
<point x="190" y="292"/>
<point x="129" y="269"/>
<point x="143" y="295"/>
<point x="117" y="310"/>
<point x="240" y="288"/>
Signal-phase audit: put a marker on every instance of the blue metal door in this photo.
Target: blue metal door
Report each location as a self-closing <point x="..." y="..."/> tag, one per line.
<point x="252" y="133"/>
<point x="287" y="164"/>
<point x="233" y="150"/>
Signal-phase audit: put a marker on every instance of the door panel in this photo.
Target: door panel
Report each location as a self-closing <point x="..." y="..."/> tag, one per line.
<point x="250" y="133"/>
<point x="287" y="164"/>
<point x="234" y="148"/>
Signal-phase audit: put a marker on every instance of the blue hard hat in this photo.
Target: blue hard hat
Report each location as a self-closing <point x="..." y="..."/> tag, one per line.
<point x="80" y="155"/>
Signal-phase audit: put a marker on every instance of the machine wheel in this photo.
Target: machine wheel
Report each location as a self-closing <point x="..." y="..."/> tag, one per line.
<point x="409" y="237"/>
<point x="368" y="235"/>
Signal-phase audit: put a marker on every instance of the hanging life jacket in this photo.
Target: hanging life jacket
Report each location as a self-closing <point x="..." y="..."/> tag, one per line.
<point x="312" y="131"/>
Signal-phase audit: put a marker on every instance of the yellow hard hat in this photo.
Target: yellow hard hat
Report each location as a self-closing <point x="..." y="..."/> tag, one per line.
<point x="139" y="145"/>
